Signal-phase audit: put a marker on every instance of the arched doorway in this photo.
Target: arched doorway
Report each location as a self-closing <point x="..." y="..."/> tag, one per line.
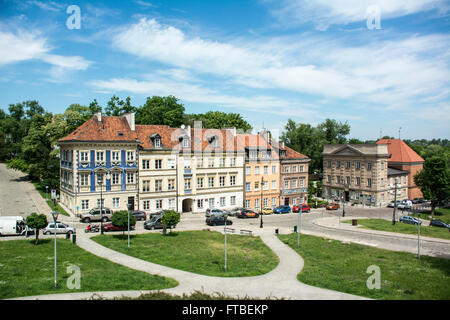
<point x="187" y="205"/>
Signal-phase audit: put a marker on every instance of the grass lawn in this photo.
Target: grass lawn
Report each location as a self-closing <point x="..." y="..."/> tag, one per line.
<point x="199" y="252"/>
<point x="44" y="196"/>
<point x="26" y="269"/>
<point x="385" y="225"/>
<point x="440" y="214"/>
<point x="339" y="266"/>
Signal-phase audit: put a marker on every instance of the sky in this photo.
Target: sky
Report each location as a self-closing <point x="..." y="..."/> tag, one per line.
<point x="380" y="65"/>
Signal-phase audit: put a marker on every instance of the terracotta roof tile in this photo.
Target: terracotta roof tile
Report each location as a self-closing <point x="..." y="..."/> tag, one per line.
<point x="400" y="151"/>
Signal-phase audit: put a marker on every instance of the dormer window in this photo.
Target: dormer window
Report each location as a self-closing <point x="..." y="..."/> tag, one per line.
<point x="156" y="140"/>
<point x="213" y="141"/>
<point x="120" y="134"/>
<point x="184" y="140"/>
<point x="282" y="153"/>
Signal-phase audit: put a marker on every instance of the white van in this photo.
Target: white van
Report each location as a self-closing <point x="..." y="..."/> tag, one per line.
<point x="14" y="225"/>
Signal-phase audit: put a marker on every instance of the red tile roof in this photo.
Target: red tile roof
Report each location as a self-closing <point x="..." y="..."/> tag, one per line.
<point x="400" y="151"/>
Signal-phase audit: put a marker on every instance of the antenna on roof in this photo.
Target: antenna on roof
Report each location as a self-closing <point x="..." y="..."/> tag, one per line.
<point x="399" y="129"/>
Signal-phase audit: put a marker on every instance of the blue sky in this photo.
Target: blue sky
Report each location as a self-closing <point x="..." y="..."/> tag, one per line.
<point x="268" y="60"/>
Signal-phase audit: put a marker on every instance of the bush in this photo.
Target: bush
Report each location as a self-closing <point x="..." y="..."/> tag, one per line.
<point x="120" y="219"/>
<point x="169" y="218"/>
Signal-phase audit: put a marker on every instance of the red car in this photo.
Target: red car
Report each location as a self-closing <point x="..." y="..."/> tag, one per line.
<point x="111" y="227"/>
<point x="305" y="208"/>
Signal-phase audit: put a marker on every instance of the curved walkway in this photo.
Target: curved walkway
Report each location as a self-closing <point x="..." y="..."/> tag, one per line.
<point x="281" y="282"/>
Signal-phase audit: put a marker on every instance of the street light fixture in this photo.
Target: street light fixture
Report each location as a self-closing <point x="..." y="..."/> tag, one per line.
<point x="55" y="218"/>
<point x="395" y="201"/>
<point x="129" y="208"/>
<point x="261" y="202"/>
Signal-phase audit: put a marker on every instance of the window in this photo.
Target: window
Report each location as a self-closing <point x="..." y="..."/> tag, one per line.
<point x="382" y="182"/>
<point x="100" y="204"/>
<point x="84" y="179"/>
<point x="158" y="164"/>
<point x="99" y="156"/>
<point x="185" y="142"/>
<point x="338" y="179"/>
<point x="286" y="169"/>
<point x="222" y="162"/>
<point x="233" y="200"/>
<point x="294" y="201"/>
<point x="265" y="202"/>
<point x="130" y="155"/>
<point x="171" y="184"/>
<point x="232" y="180"/>
<point x="347" y="180"/>
<point x="115" y="156"/>
<point x="358" y="165"/>
<point x="253" y="154"/>
<point x="222" y="201"/>
<point x="187" y="163"/>
<point x="232" y="162"/>
<point x="256" y="185"/>
<point x="286" y="184"/>
<point x="329" y="178"/>
<point x="211" y="202"/>
<point x="294" y="183"/>
<point x="130" y="177"/>
<point x="84" y="204"/>
<point x="210" y="182"/>
<point x="159" y="204"/>
<point x="247" y="186"/>
<point x="347" y="164"/>
<point x="145" y="164"/>
<point x="222" y="181"/>
<point x="146" y="204"/>
<point x="116" y="202"/>
<point x="187" y="184"/>
<point x="211" y="163"/>
<point x="257" y="170"/>
<point x="199" y="163"/>
<point x="274" y="201"/>
<point x="100" y="178"/>
<point x="146" y="186"/>
<point x="358" y="181"/>
<point x="256" y="203"/>
<point x="171" y="164"/>
<point x="115" y="178"/>
<point x="382" y="165"/>
<point x="199" y="183"/>
<point x="158" y="185"/>
<point x="247" y="170"/>
<point x="266" y="169"/>
<point x="328" y="164"/>
<point x="369" y="182"/>
<point x="200" y="203"/>
<point x="274" y="184"/>
<point x="294" y="168"/>
<point x="369" y="165"/>
<point x="274" y="169"/>
<point x="265" y="185"/>
<point x="157" y="143"/>
<point x="247" y="203"/>
<point x="84" y="156"/>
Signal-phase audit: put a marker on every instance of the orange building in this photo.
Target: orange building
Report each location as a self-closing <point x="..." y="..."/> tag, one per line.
<point x="406" y="159"/>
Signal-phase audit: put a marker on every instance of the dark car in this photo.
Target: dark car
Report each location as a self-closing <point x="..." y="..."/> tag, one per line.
<point x="410" y="220"/>
<point x="111" y="227"/>
<point x="417" y="200"/>
<point x="140" y="215"/>
<point x="439" y="223"/>
<point x="282" y="209"/>
<point x="217" y="221"/>
<point x="157" y="214"/>
<point x="156" y="223"/>
<point x="304" y="207"/>
<point x="247" y="213"/>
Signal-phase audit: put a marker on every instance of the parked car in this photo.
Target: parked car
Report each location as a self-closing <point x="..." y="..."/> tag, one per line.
<point x="156" y="223"/>
<point x="267" y="210"/>
<point x="157" y="214"/>
<point x="410" y="220"/>
<point x="392" y="204"/>
<point x="111" y="227"/>
<point x="333" y="206"/>
<point x="417" y="200"/>
<point x="95" y="215"/>
<point x="60" y="228"/>
<point x="282" y="209"/>
<point x="247" y="213"/>
<point x="140" y="215"/>
<point x="214" y="212"/>
<point x="233" y="212"/>
<point x="404" y="206"/>
<point x="217" y="221"/>
<point x="304" y="208"/>
<point x="14" y="225"/>
<point x="439" y="223"/>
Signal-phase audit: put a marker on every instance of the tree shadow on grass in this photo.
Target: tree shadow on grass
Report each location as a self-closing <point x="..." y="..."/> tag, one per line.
<point x="123" y="236"/>
<point x="438" y="263"/>
<point x="41" y="241"/>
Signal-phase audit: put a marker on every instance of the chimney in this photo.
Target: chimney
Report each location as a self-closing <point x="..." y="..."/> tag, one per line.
<point x="281" y="143"/>
<point x="99" y="116"/>
<point x="130" y="120"/>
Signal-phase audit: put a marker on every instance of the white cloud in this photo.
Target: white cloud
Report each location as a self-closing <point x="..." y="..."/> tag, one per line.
<point x="323" y="13"/>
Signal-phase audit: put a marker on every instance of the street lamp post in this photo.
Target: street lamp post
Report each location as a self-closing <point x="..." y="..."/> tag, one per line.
<point x="55" y="218"/>
<point x="395" y="200"/>
<point x="261" y="201"/>
<point x="100" y="182"/>
<point x="298" y="228"/>
<point x="225" y="232"/>
<point x="129" y="208"/>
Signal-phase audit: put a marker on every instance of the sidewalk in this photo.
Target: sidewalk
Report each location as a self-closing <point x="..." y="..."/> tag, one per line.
<point x="281" y="282"/>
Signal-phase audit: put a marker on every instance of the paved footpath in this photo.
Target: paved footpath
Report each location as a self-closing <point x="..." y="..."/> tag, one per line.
<point x="281" y="282"/>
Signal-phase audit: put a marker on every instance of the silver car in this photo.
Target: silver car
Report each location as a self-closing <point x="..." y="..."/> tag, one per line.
<point x="95" y="215"/>
<point x="214" y="212"/>
<point x="61" y="228"/>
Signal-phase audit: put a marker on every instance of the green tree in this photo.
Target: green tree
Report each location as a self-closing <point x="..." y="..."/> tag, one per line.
<point x="311" y="189"/>
<point x="120" y="219"/>
<point x="434" y="182"/>
<point x="37" y="222"/>
<point x="170" y="218"/>
<point x="94" y="107"/>
<point x="219" y="120"/>
<point x="162" y="111"/>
